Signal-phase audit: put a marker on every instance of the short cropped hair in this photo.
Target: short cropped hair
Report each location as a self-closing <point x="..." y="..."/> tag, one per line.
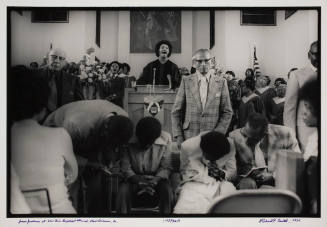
<point x="251" y="70"/>
<point x="310" y="92"/>
<point x="249" y="82"/>
<point x="268" y="80"/>
<point x="148" y="129"/>
<point x="34" y="63"/>
<point x="280" y="80"/>
<point x="28" y="93"/>
<point x="109" y="65"/>
<point x="157" y="47"/>
<point x="215" y="144"/>
<point x="114" y="130"/>
<point x="231" y="73"/>
<point x="127" y="66"/>
<point x="256" y="120"/>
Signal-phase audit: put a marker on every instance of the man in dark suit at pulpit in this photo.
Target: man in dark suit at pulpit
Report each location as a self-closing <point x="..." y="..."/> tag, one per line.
<point x="161" y="71"/>
<point x="65" y="88"/>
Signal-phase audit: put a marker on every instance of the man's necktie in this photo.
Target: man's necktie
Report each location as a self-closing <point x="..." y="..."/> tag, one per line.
<point x="53" y="102"/>
<point x="203" y="90"/>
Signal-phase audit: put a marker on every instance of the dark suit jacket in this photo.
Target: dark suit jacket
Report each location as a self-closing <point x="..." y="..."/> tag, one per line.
<point x="68" y="86"/>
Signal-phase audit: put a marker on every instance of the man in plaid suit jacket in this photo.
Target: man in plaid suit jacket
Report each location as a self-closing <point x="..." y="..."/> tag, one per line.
<point x="197" y="108"/>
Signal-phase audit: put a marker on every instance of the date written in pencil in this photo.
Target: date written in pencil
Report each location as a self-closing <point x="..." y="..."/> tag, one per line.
<point x="279" y="220"/>
<point x="171" y="220"/>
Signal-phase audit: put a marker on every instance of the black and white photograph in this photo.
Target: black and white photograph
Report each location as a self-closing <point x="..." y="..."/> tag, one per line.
<point x="181" y="113"/>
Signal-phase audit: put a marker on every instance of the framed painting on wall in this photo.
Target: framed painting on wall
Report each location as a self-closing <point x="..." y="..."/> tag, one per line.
<point x="149" y="27"/>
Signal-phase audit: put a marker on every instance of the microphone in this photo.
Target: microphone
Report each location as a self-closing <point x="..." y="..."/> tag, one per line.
<point x="169" y="80"/>
<point x="154" y="76"/>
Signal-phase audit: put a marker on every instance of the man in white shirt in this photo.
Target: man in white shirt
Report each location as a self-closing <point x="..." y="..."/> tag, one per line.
<point x="207" y="165"/>
<point x="257" y="144"/>
<point x="294" y="107"/>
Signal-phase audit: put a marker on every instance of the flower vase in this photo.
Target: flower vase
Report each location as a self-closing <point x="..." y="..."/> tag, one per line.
<point x="91" y="91"/>
<point x="88" y="92"/>
<point x="97" y="93"/>
<point x="85" y="92"/>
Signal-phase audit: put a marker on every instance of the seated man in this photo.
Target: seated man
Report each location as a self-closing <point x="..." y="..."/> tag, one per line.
<point x="256" y="147"/>
<point x="147" y="166"/>
<point x="207" y="163"/>
<point x="64" y="88"/>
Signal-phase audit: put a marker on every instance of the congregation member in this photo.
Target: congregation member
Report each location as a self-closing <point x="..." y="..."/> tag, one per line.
<point x="309" y="94"/>
<point x="98" y="130"/>
<point x="207" y="165"/>
<point x="266" y="93"/>
<point x="294" y="107"/>
<point x="250" y="102"/>
<point x="279" y="81"/>
<point x="147" y="167"/>
<point x="124" y="73"/>
<point x="277" y="104"/>
<point x="250" y="73"/>
<point x="65" y="88"/>
<point x="202" y="102"/>
<point x="102" y="173"/>
<point x="113" y="89"/>
<point x="34" y="65"/>
<point x="229" y="75"/>
<point x="161" y="71"/>
<point x="42" y="157"/>
<point x="257" y="144"/>
<point x="184" y="72"/>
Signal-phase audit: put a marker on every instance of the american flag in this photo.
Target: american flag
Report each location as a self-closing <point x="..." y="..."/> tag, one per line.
<point x="256" y="67"/>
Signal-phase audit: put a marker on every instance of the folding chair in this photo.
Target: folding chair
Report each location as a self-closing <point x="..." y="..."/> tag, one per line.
<point x="262" y="201"/>
<point x="37" y="194"/>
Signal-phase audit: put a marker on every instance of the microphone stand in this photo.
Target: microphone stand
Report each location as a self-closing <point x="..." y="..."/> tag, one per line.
<point x="154" y="79"/>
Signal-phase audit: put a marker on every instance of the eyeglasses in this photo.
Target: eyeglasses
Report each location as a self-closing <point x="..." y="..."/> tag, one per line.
<point x="54" y="57"/>
<point x="206" y="61"/>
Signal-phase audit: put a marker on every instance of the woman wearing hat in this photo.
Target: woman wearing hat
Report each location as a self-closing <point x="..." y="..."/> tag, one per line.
<point x="161" y="71"/>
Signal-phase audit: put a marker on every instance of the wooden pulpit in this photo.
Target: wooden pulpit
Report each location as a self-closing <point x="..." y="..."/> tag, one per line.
<point x="135" y="107"/>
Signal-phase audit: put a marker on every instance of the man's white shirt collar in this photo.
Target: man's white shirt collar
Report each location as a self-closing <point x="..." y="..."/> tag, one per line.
<point x="200" y="76"/>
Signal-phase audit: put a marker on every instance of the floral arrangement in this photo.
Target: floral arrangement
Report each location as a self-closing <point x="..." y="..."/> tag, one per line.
<point x="91" y="74"/>
<point x="95" y="79"/>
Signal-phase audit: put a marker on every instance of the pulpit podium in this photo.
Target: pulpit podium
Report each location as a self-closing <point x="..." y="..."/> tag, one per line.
<point x="134" y="103"/>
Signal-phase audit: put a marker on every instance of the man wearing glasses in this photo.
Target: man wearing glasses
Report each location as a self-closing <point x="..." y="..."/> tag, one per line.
<point x="257" y="144"/>
<point x="294" y="108"/>
<point x="64" y="87"/>
<point x="202" y="102"/>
